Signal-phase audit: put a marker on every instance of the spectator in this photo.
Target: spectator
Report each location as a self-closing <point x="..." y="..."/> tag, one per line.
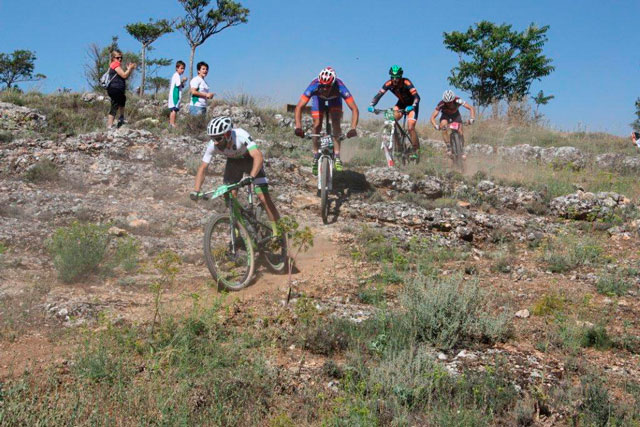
<point x="117" y="87"/>
<point x="175" y="92"/>
<point x="199" y="91"/>
<point x="635" y="137"/>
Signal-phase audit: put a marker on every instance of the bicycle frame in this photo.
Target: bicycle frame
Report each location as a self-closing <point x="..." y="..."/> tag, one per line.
<point x="392" y="125"/>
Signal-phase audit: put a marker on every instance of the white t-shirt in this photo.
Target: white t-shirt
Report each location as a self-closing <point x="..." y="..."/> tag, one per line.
<point x="241" y="144"/>
<point x="201" y="86"/>
<point x="175" y="91"/>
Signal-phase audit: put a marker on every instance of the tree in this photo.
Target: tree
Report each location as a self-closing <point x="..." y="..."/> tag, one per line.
<point x="99" y="58"/>
<point x="541" y="99"/>
<point x="198" y="25"/>
<point x="18" y="67"/>
<point x="157" y="83"/>
<point x="497" y="63"/>
<point x="636" y="123"/>
<point x="147" y="33"/>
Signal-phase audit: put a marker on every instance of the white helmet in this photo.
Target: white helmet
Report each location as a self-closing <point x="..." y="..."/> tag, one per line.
<point x="219" y="126"/>
<point x="327" y="76"/>
<point x="448" y="96"/>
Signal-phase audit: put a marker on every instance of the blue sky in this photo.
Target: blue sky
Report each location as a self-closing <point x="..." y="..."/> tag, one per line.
<point x="594" y="46"/>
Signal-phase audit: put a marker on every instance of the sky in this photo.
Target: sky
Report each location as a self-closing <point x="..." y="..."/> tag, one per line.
<point x="594" y="46"/>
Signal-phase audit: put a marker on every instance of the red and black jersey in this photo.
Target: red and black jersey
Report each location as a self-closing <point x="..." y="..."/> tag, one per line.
<point x="406" y="93"/>
<point x="450" y="108"/>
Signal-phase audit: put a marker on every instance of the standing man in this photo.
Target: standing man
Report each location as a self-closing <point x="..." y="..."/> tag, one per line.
<point x="326" y="94"/>
<point x="199" y="91"/>
<point x="175" y="92"/>
<point x="408" y="100"/>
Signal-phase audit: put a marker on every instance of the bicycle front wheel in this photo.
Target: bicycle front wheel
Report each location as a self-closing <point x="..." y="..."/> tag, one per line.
<point x="229" y="253"/>
<point x="401" y="146"/>
<point x="457" y="149"/>
<point x="324" y="188"/>
<point x="272" y="246"/>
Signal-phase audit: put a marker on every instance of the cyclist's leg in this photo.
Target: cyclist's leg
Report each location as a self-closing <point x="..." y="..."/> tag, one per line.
<point x="262" y="191"/>
<point x="335" y="112"/>
<point x="412" y="118"/>
<point x="316" y="115"/>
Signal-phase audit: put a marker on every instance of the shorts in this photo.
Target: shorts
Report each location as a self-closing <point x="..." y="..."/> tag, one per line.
<point x="197" y="111"/>
<point x="457" y="117"/>
<point x="318" y="106"/>
<point x="176" y="109"/>
<point x="236" y="168"/>
<point x="411" y="115"/>
<point x="118" y="100"/>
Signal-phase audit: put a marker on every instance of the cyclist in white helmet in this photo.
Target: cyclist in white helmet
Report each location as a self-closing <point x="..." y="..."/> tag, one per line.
<point x="326" y="93"/>
<point x="243" y="157"/>
<point x="450" y="109"/>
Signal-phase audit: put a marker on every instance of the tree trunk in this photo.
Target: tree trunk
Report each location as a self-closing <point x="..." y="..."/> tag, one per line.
<point x="193" y="53"/>
<point x="144" y="69"/>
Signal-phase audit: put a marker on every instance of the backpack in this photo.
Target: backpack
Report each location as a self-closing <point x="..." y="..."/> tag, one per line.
<point x="106" y="79"/>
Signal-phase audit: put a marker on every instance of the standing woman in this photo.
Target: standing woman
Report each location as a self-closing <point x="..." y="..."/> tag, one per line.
<point x="117" y="87"/>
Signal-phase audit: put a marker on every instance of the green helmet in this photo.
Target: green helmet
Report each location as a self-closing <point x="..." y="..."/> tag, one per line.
<point x="395" y="71"/>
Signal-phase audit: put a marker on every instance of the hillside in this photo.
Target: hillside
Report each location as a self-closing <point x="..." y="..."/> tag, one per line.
<point x="505" y="295"/>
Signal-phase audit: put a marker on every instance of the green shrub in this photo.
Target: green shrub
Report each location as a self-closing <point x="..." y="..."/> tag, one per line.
<point x="566" y="252"/>
<point x="449" y="313"/>
<point x="6" y="136"/>
<point x="549" y="304"/>
<point x="613" y="285"/>
<point x="43" y="171"/>
<point x="78" y="249"/>
<point x="596" y="337"/>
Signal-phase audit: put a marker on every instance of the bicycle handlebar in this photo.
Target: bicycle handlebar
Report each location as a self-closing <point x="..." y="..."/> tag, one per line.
<point x="318" y="135"/>
<point x="377" y="111"/>
<point x="223" y="189"/>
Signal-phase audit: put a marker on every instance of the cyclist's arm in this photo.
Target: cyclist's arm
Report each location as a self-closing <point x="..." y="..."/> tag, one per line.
<point x="202" y="171"/>
<point x="433" y="117"/>
<point x="413" y="91"/>
<point x="471" y="109"/>
<point x="298" y="113"/>
<point x="381" y="92"/>
<point x="256" y="155"/>
<point x="355" y="113"/>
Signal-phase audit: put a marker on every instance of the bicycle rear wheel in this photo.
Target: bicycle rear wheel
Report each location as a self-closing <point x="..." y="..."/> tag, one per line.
<point x="273" y="247"/>
<point x="229" y="254"/>
<point x="325" y="176"/>
<point x="457" y="149"/>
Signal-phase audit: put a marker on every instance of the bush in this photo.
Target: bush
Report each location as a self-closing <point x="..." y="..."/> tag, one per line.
<point x="564" y="253"/>
<point x="613" y="285"/>
<point x="449" y="313"/>
<point x="6" y="136"/>
<point x="43" y="171"/>
<point x="549" y="304"/>
<point x="78" y="249"/>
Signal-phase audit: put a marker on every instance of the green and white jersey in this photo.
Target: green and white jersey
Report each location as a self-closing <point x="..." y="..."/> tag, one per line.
<point x="199" y="85"/>
<point x="239" y="146"/>
<point x="175" y="91"/>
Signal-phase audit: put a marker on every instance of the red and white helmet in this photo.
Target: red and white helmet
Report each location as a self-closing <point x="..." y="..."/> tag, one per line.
<point x="327" y="76"/>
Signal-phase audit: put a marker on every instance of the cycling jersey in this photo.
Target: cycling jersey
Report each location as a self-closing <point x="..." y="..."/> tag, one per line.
<point x="338" y="89"/>
<point x="407" y="94"/>
<point x="241" y="144"/>
<point x="450" y="108"/>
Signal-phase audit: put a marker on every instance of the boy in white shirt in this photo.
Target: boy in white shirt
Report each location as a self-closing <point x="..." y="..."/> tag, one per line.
<point x="175" y="92"/>
<point x="199" y="91"/>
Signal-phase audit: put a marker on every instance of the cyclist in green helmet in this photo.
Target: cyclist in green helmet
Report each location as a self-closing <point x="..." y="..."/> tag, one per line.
<point x="408" y="100"/>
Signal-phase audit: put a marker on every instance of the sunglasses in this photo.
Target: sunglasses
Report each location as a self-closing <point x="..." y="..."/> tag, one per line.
<point x="117" y="57"/>
<point x="219" y="138"/>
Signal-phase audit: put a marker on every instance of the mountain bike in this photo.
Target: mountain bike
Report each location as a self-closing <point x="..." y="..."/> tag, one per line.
<point x="233" y="240"/>
<point x="325" y="171"/>
<point x="456" y="140"/>
<point x="396" y="142"/>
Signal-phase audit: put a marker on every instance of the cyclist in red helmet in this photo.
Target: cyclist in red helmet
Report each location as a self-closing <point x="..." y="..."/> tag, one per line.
<point x="326" y="93"/>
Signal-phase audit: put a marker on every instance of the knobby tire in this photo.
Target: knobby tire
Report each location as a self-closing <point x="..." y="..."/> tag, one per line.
<point x="231" y="271"/>
<point x="274" y="251"/>
<point x="324" y="188"/>
<point x="457" y="148"/>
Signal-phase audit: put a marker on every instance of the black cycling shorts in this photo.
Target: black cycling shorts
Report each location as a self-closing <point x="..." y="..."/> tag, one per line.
<point x="236" y="168"/>
<point x="413" y="114"/>
<point x="457" y="117"/>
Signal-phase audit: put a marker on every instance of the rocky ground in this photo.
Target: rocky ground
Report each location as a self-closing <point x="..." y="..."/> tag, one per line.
<point x="138" y="181"/>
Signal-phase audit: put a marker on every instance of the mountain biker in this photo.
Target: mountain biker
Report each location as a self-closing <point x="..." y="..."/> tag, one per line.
<point x="408" y="100"/>
<point x="243" y="156"/>
<point x="326" y="93"/>
<point x="449" y="107"/>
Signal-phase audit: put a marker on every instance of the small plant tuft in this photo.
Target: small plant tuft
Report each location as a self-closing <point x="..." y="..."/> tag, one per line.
<point x="43" y="171"/>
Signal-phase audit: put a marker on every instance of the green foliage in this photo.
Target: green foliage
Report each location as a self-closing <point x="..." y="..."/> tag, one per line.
<point x="78" y="250"/>
<point x="157" y="83"/>
<point x="498" y="63"/>
<point x="596" y="337"/>
<point x="167" y="265"/>
<point x="541" y="99"/>
<point x="636" y="123"/>
<point x="568" y="251"/>
<point x="549" y="304"/>
<point x="147" y="33"/>
<point x="199" y="24"/>
<point x="17" y="67"/>
<point x="43" y="171"/>
<point x="613" y="285"/>
<point x="297" y="239"/>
